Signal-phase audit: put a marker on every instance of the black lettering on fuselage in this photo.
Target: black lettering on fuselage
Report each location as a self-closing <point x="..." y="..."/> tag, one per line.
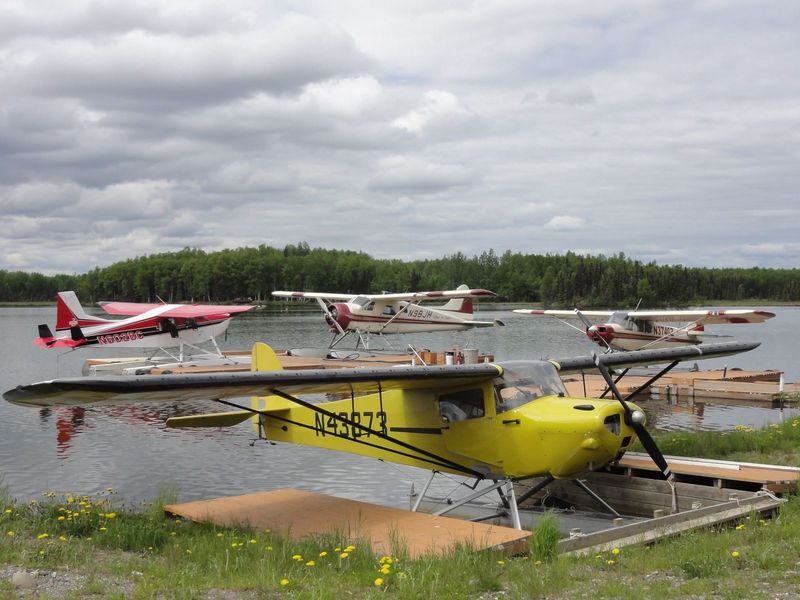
<point x="360" y="424"/>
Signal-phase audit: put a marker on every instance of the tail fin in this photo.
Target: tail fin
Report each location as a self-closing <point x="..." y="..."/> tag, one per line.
<point x="70" y="313"/>
<point x="460" y="305"/>
<point x="264" y="359"/>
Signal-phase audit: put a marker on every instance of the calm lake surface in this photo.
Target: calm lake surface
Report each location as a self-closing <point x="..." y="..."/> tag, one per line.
<point x="84" y="451"/>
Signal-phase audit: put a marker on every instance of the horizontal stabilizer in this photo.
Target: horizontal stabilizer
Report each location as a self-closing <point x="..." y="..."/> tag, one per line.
<point x="226" y="419"/>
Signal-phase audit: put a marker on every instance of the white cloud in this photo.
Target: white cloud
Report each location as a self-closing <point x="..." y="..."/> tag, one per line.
<point x="565" y="223"/>
<point x="406" y="130"/>
<point x="438" y="108"/>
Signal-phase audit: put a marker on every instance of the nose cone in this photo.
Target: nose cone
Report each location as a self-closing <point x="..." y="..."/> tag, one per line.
<point x="566" y="437"/>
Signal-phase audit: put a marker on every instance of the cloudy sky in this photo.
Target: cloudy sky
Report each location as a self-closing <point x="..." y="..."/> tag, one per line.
<point x="669" y="131"/>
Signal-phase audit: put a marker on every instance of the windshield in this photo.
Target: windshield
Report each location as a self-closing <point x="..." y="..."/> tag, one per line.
<point x="523" y="381"/>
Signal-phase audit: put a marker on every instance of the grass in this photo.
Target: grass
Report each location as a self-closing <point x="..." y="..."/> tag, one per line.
<point x="151" y="556"/>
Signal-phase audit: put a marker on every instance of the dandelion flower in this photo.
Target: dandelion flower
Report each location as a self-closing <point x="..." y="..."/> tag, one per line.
<point x="61" y="517"/>
<point x="11" y="534"/>
<point x="735" y="554"/>
<point x="501" y="562"/>
<point x="253" y="542"/>
<point x="43" y="536"/>
<point x="8" y="511"/>
<point x="310" y="563"/>
<point x="610" y="562"/>
<point x="297" y="557"/>
<point x="284" y="582"/>
<point x="323" y="553"/>
<point x="379" y="581"/>
<point x="220" y="534"/>
<point x="344" y="555"/>
<point x="62" y="538"/>
<point x="188" y="551"/>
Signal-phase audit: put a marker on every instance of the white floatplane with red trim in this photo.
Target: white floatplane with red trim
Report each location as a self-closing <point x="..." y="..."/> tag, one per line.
<point x="640" y="329"/>
<point x="156" y="326"/>
<point x="396" y="313"/>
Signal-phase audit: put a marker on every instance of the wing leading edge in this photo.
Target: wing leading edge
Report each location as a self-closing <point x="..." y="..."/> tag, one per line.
<point x="179" y="387"/>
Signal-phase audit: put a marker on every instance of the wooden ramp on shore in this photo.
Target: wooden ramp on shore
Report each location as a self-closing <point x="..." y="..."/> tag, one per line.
<point x="298" y="514"/>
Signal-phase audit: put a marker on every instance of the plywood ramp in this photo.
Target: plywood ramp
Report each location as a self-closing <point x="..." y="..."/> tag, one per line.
<point x="298" y="514"/>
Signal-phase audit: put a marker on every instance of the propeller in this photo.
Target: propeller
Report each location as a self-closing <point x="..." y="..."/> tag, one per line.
<point x="331" y="314"/>
<point x="636" y="420"/>
<point x="588" y="324"/>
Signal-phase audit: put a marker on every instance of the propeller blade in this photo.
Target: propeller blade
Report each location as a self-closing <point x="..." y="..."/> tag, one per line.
<point x="636" y="421"/>
<point x="329" y="316"/>
<point x="652" y="449"/>
<point x="587" y="323"/>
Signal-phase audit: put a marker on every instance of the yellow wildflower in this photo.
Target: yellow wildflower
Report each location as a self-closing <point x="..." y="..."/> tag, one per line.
<point x="297" y="557"/>
<point x="284" y="582"/>
<point x="615" y="551"/>
<point x="323" y="553"/>
<point x="379" y="581"/>
<point x="220" y="534"/>
<point x="735" y="554"/>
<point x="610" y="562"/>
<point x="310" y="563"/>
<point x="501" y="562"/>
<point x="344" y="555"/>
<point x="43" y="536"/>
<point x="11" y="534"/>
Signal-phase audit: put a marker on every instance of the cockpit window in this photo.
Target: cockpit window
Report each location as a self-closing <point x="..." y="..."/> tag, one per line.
<point x="360" y="300"/>
<point x="524" y="381"/>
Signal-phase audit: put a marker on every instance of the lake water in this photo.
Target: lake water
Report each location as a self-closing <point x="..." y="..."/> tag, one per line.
<point x="84" y="451"/>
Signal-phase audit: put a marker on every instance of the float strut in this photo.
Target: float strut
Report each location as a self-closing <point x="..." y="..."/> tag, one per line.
<point x="586" y="489"/>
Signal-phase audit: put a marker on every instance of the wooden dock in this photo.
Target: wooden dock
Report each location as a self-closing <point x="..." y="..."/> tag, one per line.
<point x="298" y="515"/>
<point x="754" y="386"/>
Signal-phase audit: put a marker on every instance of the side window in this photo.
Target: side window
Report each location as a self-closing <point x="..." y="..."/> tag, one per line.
<point x="462" y="405"/>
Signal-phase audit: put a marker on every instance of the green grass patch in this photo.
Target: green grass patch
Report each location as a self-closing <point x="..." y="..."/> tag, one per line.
<point x="138" y="550"/>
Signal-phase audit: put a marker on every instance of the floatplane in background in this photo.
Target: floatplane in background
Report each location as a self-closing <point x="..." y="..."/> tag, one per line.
<point x="365" y="314"/>
<point x="158" y="327"/>
<point x="498" y="423"/>
<point x="641" y="329"/>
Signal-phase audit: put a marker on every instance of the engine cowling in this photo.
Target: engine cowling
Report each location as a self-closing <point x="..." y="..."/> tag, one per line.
<point x="338" y="313"/>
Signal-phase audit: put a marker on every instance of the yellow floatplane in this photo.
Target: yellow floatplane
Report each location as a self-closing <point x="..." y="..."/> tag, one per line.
<point x="497" y="422"/>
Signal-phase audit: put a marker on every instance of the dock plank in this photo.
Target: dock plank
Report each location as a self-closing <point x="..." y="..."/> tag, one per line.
<point x="299" y="514"/>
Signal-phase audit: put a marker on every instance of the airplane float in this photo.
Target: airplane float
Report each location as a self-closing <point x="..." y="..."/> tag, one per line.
<point x="640" y="329"/>
<point x="156" y="326"/>
<point x="496" y="422"/>
<point x="396" y="313"/>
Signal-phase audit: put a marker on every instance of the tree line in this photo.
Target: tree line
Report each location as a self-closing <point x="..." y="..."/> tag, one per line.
<point x="251" y="274"/>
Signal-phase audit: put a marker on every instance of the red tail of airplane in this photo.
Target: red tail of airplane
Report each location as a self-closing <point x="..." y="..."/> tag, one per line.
<point x="70" y="313"/>
<point x="459" y="305"/>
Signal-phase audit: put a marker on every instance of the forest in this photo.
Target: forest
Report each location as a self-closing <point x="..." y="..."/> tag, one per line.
<point x="251" y="274"/>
